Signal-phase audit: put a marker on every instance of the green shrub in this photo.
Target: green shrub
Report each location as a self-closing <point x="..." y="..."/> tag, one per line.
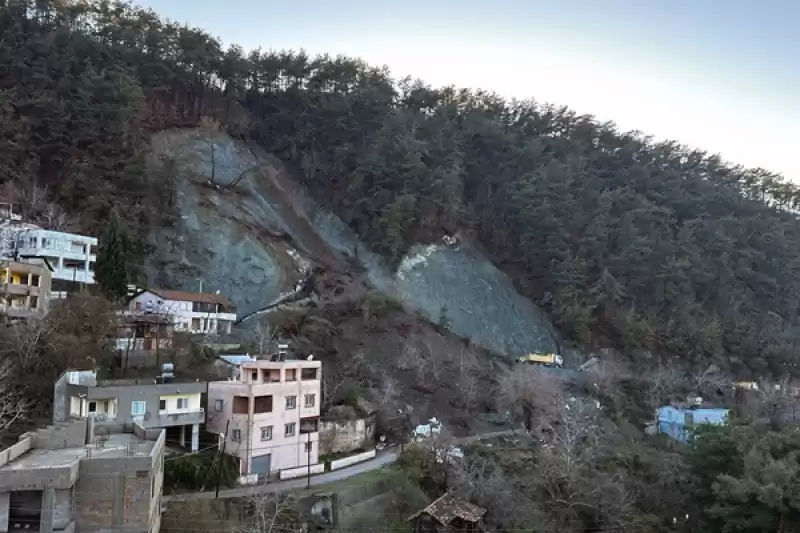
<point x="196" y="472"/>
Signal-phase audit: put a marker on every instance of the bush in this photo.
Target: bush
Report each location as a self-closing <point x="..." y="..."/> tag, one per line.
<point x="197" y="472"/>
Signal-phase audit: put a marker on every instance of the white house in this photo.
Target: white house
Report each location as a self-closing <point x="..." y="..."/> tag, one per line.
<point x="195" y="312"/>
<point x="71" y="256"/>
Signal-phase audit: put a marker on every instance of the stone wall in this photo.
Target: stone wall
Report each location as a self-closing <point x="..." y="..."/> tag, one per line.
<point x="342" y="436"/>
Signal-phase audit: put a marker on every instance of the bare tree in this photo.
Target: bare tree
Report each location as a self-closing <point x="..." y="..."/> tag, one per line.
<point x="526" y="391"/>
<point x="468" y="377"/>
<point x="246" y="171"/>
<point x="207" y="130"/>
<point x="711" y="382"/>
<point x="273" y="513"/>
<point x="13" y="405"/>
<point x="603" y="378"/>
<point x="575" y="439"/>
<point x="38" y="209"/>
<point x="263" y="333"/>
<point x="662" y="383"/>
<point x="413" y="358"/>
<point x="23" y="342"/>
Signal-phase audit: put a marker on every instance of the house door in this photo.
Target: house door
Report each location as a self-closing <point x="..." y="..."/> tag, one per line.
<point x="261" y="465"/>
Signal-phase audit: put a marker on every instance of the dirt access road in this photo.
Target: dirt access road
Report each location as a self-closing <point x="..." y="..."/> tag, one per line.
<point x="382" y="459"/>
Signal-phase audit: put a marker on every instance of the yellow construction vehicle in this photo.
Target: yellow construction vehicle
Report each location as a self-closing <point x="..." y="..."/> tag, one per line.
<point x="547" y="359"/>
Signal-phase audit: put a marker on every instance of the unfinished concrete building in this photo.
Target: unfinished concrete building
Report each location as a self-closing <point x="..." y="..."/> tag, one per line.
<point x="24" y="288"/>
<point x="67" y="479"/>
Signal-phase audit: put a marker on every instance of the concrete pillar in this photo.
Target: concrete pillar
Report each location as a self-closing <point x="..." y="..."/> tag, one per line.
<point x="5" y="502"/>
<point x="48" y="509"/>
<point x="195" y="437"/>
<point x="183" y="436"/>
<point x="62" y="511"/>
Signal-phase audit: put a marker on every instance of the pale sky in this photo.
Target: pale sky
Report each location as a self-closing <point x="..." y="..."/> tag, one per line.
<point x="721" y="75"/>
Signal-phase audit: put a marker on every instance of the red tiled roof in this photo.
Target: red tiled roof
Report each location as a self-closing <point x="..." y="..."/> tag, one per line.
<point x="199" y="297"/>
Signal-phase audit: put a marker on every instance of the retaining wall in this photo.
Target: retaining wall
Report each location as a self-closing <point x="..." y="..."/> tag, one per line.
<point x="300" y="471"/>
<point x="353" y="459"/>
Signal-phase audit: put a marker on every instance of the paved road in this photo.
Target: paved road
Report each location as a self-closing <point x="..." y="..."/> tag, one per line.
<point x="383" y="458"/>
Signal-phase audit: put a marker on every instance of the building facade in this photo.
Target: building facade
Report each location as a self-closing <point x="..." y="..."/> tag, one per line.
<point x="678" y="422"/>
<point x="193" y="312"/>
<point x="268" y="412"/>
<point x="70" y="478"/>
<point x="72" y="256"/>
<point x="149" y="403"/>
<point x="24" y="289"/>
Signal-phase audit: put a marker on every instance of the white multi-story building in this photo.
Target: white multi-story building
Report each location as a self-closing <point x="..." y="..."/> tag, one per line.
<point x="71" y="256"/>
<point x="195" y="312"/>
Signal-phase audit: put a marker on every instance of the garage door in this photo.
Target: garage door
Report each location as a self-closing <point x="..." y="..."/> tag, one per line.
<point x="261" y="465"/>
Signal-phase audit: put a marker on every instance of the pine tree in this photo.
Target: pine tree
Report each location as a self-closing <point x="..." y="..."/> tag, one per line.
<point x="111" y="271"/>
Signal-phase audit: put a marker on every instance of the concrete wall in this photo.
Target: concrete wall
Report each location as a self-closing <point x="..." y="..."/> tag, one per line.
<point x="14" y="451"/>
<point x="342" y="436"/>
<point x="61" y="398"/>
<point x="120" y="493"/>
<point x="353" y="459"/>
<point x="291" y="473"/>
<point x="60" y="436"/>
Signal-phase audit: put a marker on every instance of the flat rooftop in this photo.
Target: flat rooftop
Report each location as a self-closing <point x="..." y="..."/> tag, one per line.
<point x="291" y="363"/>
<point x="39" y="468"/>
<point x="116" y="445"/>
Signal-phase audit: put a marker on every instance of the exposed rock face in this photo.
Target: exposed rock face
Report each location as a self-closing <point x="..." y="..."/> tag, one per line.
<point x="255" y="240"/>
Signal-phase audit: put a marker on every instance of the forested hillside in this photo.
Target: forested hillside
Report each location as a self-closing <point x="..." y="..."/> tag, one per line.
<point x="644" y="244"/>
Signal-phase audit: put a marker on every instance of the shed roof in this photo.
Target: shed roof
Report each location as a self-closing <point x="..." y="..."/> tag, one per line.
<point x="449" y="506"/>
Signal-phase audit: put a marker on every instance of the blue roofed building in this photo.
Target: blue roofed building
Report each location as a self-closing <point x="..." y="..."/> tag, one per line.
<point x="677" y="422"/>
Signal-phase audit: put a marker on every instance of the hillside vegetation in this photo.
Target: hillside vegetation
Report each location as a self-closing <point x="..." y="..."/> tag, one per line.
<point x="644" y="244"/>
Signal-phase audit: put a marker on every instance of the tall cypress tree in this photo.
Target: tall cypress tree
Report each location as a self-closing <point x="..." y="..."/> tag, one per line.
<point x="111" y="271"/>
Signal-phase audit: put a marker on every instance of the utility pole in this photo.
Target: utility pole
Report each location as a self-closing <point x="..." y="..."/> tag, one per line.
<point x="308" y="451"/>
<point x="222" y="457"/>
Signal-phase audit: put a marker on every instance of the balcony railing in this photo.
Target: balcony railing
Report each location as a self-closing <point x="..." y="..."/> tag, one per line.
<point x="178" y="418"/>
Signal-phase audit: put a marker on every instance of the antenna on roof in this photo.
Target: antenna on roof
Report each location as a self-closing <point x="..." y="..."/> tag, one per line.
<point x="201" y="286"/>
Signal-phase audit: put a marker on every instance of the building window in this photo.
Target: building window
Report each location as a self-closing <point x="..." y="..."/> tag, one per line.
<point x="162" y="405"/>
<point x="291" y="402"/>
<point x="218" y="404"/>
<point x="289" y="429"/>
<point x="92" y="407"/>
<point x="237" y="435"/>
<point x="34" y="302"/>
<point x="138" y="408"/>
<point x="35" y="280"/>
<point x="309" y="446"/>
<point x="309" y="400"/>
<point x="254" y="376"/>
<point x="266" y="433"/>
<point x="183" y="403"/>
